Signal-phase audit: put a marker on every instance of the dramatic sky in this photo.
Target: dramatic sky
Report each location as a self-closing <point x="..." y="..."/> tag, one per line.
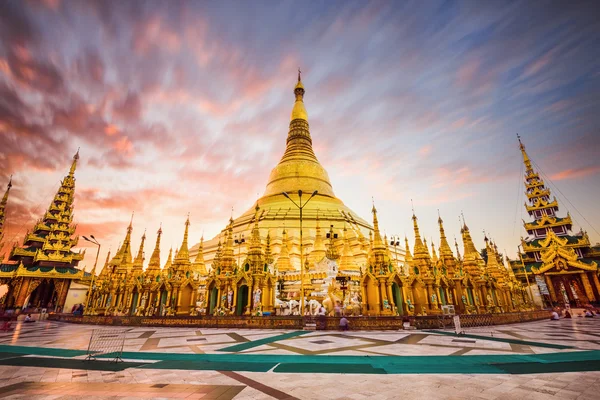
<point x="184" y="106"/>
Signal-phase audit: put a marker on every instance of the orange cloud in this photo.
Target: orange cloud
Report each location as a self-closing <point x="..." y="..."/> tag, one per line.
<point x="574" y="173"/>
<point x="111" y="130"/>
<point x="123" y="145"/>
<point x="425" y="150"/>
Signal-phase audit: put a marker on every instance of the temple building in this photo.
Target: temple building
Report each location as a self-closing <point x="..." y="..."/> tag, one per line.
<point x="564" y="264"/>
<point x="299" y="170"/>
<point x="40" y="271"/>
<point x="298" y="238"/>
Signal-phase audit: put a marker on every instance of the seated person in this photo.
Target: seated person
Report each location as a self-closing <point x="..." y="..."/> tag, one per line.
<point x="28" y="318"/>
<point x="554" y="316"/>
<point x="567" y="314"/>
<point x="588" y="314"/>
<point x="344" y="324"/>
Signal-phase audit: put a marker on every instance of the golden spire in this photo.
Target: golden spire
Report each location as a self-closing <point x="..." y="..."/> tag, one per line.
<point x="347" y="259"/>
<point x="184" y="253"/>
<point x="105" y="270"/>
<point x="419" y="249"/>
<point x="3" y="213"/>
<point x="138" y="263"/>
<point x="407" y="256"/>
<point x="377" y="242"/>
<point x="332" y="252"/>
<point x="200" y="255"/>
<point x="434" y="256"/>
<point x="299" y="168"/>
<point x="198" y="264"/>
<point x="299" y="112"/>
<point x="319" y="249"/>
<point x="283" y="261"/>
<point x="126" y="247"/>
<point x="457" y="249"/>
<point x="5" y="197"/>
<point x="169" y="260"/>
<point x="268" y="253"/>
<point x="445" y="250"/>
<point x="526" y="160"/>
<point x="154" y="263"/>
<point x="74" y="164"/>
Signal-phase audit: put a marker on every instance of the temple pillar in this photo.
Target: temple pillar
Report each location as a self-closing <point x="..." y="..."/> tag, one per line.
<point x="428" y="296"/>
<point x="389" y="295"/>
<point x="587" y="287"/>
<point x="235" y="294"/>
<point x="21" y="295"/>
<point x="551" y="288"/>
<point x="378" y="297"/>
<point x="249" y="299"/>
<point x="596" y="282"/>
<point x="363" y="293"/>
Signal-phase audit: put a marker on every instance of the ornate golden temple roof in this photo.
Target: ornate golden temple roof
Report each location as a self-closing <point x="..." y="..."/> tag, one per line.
<point x="299" y="168"/>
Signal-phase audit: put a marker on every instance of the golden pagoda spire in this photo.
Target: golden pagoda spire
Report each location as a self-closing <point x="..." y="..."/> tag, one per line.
<point x="299" y="112"/>
<point x="268" y="252"/>
<point x="52" y="236"/>
<point x="445" y="250"/>
<point x="457" y="249"/>
<point x="125" y="250"/>
<point x="283" y="261"/>
<point x="472" y="261"/>
<point x="319" y="249"/>
<point x="419" y="249"/>
<point x="227" y="257"/>
<point x="138" y="263"/>
<point x="332" y="252"/>
<point x="169" y="262"/>
<point x="347" y="258"/>
<point x="199" y="265"/>
<point x="407" y="256"/>
<point x="3" y="213"/>
<point x="105" y="269"/>
<point x="184" y="253"/>
<point x="526" y="159"/>
<point x="434" y="256"/>
<point x="377" y="242"/>
<point x="299" y="168"/>
<point x="154" y="264"/>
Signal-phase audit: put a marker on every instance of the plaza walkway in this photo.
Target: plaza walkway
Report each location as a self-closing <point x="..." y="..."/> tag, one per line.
<point x="538" y="360"/>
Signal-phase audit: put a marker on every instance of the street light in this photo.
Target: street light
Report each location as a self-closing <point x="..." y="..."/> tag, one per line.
<point x="395" y="242"/>
<point x="526" y="276"/>
<point x="239" y="240"/>
<point x="89" y="296"/>
<point x="300" y="207"/>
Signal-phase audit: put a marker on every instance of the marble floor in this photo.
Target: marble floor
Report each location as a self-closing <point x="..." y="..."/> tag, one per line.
<point x="545" y="359"/>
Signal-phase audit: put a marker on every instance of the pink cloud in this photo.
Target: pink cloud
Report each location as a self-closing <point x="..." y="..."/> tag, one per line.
<point x="123" y="145"/>
<point x="574" y="173"/>
<point x="425" y="150"/>
<point x="467" y="72"/>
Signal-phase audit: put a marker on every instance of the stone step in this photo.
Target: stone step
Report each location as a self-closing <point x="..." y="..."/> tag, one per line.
<point x="310" y="327"/>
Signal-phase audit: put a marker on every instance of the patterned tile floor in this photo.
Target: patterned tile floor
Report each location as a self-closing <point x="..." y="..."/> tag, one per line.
<point x="214" y="363"/>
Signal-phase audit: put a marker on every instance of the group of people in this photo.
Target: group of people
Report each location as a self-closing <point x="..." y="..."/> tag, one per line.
<point x="588" y="313"/>
<point x="322" y="313"/>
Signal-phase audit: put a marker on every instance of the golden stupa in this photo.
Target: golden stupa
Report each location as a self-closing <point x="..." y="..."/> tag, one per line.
<point x="298" y="170"/>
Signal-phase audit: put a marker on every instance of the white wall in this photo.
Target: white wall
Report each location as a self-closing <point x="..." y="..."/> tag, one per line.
<point x="77" y="294"/>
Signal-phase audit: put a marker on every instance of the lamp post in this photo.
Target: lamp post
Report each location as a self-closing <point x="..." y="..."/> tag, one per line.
<point x="395" y="242"/>
<point x="526" y="276"/>
<point x="300" y="207"/>
<point x="239" y="240"/>
<point x="89" y="296"/>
